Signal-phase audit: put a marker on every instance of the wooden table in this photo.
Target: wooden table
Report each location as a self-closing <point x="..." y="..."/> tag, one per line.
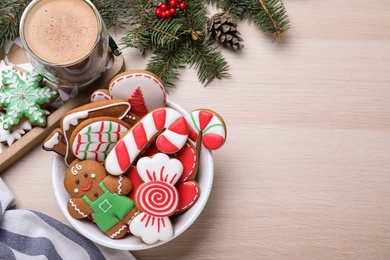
<point x="305" y="171"/>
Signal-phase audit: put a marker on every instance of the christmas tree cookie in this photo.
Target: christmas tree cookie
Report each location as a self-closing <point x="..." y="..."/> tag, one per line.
<point x="24" y="98"/>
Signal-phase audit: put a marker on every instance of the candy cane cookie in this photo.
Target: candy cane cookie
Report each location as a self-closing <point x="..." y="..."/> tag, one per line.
<point x="167" y="124"/>
<point x="208" y="127"/>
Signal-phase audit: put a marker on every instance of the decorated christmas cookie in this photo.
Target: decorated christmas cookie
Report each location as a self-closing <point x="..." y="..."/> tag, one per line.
<point x="143" y="90"/>
<point x="94" y="138"/>
<point x="23" y="98"/>
<point x="101" y="196"/>
<point x="157" y="198"/>
<point x="15" y="133"/>
<point x="59" y="139"/>
<point x="206" y="127"/>
<point x="187" y="187"/>
<point x="165" y="124"/>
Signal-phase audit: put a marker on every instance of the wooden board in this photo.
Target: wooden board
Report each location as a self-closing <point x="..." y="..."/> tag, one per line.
<point x="38" y="134"/>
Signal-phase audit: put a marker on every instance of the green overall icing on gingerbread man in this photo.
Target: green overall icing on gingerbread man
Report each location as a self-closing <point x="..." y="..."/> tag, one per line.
<point x="100" y="197"/>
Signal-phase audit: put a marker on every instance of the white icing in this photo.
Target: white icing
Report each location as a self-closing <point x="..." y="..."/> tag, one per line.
<point x="151" y="229"/>
<point x="215" y="126"/>
<point x="77" y="209"/>
<point x="112" y="163"/>
<point x="164" y="167"/>
<point x="76" y="190"/>
<point x="10" y="136"/>
<point x="152" y="89"/>
<point x="119" y="231"/>
<point x="72" y="119"/>
<point x="95" y="140"/>
<point x="53" y="141"/>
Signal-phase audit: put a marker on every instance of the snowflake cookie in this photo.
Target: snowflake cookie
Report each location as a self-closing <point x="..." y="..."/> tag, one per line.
<point x="23" y="98"/>
<point x="15" y="133"/>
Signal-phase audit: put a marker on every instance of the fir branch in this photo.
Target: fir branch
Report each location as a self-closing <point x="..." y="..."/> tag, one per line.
<point x="271" y="17"/>
<point x="10" y="14"/>
<point x="267" y="15"/>
<point x="165" y="33"/>
<point x="166" y="64"/>
<point x="114" y="13"/>
<point x="207" y="60"/>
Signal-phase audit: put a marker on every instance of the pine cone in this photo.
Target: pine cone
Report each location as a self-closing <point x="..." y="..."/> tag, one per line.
<point x="222" y="28"/>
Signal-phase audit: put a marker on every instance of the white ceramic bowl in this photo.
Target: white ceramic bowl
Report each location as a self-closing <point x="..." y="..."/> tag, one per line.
<point x="180" y="223"/>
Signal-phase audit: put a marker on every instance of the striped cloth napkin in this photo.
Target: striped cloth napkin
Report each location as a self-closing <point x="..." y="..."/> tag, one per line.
<point x="26" y="234"/>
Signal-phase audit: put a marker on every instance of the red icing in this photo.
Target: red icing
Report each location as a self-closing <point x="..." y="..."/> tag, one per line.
<point x="192" y="134"/>
<point x="137" y="103"/>
<point x="88" y="187"/>
<point x="179" y="126"/>
<point x="212" y="141"/>
<point x="157" y="198"/>
<point x="204" y="119"/>
<point x="188" y="194"/>
<point x="188" y="190"/>
<point x="135" y="179"/>
<point x="188" y="157"/>
<point x="122" y="155"/>
<point x="139" y="134"/>
<point x="159" y="118"/>
<point x="169" y="147"/>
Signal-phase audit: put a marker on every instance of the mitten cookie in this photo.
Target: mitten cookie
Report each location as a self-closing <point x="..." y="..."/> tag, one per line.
<point x="59" y="139"/>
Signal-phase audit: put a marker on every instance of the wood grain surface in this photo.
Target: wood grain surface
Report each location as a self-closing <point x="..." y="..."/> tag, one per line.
<point x="305" y="171"/>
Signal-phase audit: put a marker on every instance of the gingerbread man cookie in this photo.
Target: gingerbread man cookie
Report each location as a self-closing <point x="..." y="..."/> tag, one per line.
<point x="100" y="195"/>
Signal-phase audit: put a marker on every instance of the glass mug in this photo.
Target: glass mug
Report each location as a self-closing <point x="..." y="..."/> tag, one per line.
<point x="66" y="41"/>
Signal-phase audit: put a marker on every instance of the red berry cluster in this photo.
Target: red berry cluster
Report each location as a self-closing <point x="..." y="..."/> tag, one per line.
<point x="169" y="8"/>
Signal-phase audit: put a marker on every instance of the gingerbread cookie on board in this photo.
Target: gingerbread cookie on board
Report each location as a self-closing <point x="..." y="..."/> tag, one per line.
<point x="24" y="98"/>
<point x="142" y="89"/>
<point x="101" y="196"/>
<point x="15" y="133"/>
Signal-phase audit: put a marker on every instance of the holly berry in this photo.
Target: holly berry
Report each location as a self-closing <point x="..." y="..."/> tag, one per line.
<point x="172" y="4"/>
<point x="163" y="7"/>
<point x="169" y="8"/>
<point x="158" y="12"/>
<point x="182" y="6"/>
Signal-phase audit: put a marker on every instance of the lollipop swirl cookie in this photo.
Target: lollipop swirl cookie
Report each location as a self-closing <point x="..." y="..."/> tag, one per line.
<point x="157" y="198"/>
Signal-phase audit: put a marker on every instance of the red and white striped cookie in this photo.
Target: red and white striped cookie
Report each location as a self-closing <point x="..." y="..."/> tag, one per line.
<point x="208" y="127"/>
<point x="167" y="124"/>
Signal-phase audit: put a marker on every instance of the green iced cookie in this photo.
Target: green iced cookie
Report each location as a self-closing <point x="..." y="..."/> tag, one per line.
<point x="24" y="98"/>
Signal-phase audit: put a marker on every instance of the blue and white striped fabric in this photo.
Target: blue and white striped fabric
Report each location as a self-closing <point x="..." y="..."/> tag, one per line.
<point x="28" y="234"/>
